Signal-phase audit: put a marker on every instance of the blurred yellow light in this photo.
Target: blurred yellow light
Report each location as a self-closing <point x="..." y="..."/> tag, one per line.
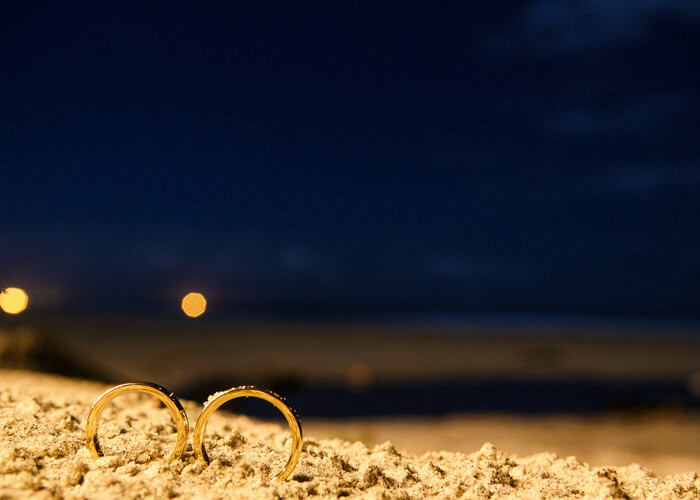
<point x="360" y="375"/>
<point x="13" y="300"/>
<point x="194" y="304"/>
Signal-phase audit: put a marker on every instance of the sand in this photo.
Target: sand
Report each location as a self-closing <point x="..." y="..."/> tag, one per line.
<point x="42" y="455"/>
<point x="666" y="442"/>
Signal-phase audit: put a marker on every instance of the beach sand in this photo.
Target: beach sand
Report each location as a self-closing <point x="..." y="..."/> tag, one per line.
<point x="42" y="455"/>
<point x="665" y="442"/>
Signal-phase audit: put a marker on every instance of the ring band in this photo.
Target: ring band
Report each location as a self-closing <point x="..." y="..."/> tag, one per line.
<point x="161" y="393"/>
<point x="250" y="391"/>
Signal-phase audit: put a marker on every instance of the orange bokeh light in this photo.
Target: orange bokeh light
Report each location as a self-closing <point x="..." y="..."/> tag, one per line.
<point x="194" y="304"/>
<point x="13" y="300"/>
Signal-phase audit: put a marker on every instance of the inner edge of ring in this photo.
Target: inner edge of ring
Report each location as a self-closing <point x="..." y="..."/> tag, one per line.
<point x="277" y="401"/>
<point x="167" y="397"/>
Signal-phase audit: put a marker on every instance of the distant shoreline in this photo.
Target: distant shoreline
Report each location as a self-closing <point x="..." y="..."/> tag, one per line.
<point x="442" y="323"/>
<point x="527" y="370"/>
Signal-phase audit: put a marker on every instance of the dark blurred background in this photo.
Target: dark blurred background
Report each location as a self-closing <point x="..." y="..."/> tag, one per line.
<point x="447" y="168"/>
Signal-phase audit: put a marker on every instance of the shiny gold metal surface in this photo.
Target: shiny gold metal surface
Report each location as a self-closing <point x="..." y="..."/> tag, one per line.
<point x="167" y="397"/>
<point x="220" y="398"/>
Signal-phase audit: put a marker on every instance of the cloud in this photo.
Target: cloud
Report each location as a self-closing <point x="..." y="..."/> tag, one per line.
<point x="646" y="180"/>
<point x="645" y="117"/>
<point x="551" y="27"/>
<point x="471" y="268"/>
<point x="298" y="258"/>
<point x="122" y="250"/>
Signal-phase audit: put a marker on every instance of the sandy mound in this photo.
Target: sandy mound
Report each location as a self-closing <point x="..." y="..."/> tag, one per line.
<point x="42" y="454"/>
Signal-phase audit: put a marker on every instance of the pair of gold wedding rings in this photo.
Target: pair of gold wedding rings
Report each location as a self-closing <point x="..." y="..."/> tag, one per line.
<point x="178" y="413"/>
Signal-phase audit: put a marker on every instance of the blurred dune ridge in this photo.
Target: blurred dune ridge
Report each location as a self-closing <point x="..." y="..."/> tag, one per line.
<point x="26" y="348"/>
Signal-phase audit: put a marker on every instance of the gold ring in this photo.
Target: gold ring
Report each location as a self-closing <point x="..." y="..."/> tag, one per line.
<point x="161" y="393"/>
<point x="249" y="391"/>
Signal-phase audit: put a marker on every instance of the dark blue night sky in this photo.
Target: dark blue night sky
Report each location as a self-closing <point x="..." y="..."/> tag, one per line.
<point x="534" y="157"/>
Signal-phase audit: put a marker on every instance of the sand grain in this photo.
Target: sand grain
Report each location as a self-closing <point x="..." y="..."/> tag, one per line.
<point x="42" y="455"/>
